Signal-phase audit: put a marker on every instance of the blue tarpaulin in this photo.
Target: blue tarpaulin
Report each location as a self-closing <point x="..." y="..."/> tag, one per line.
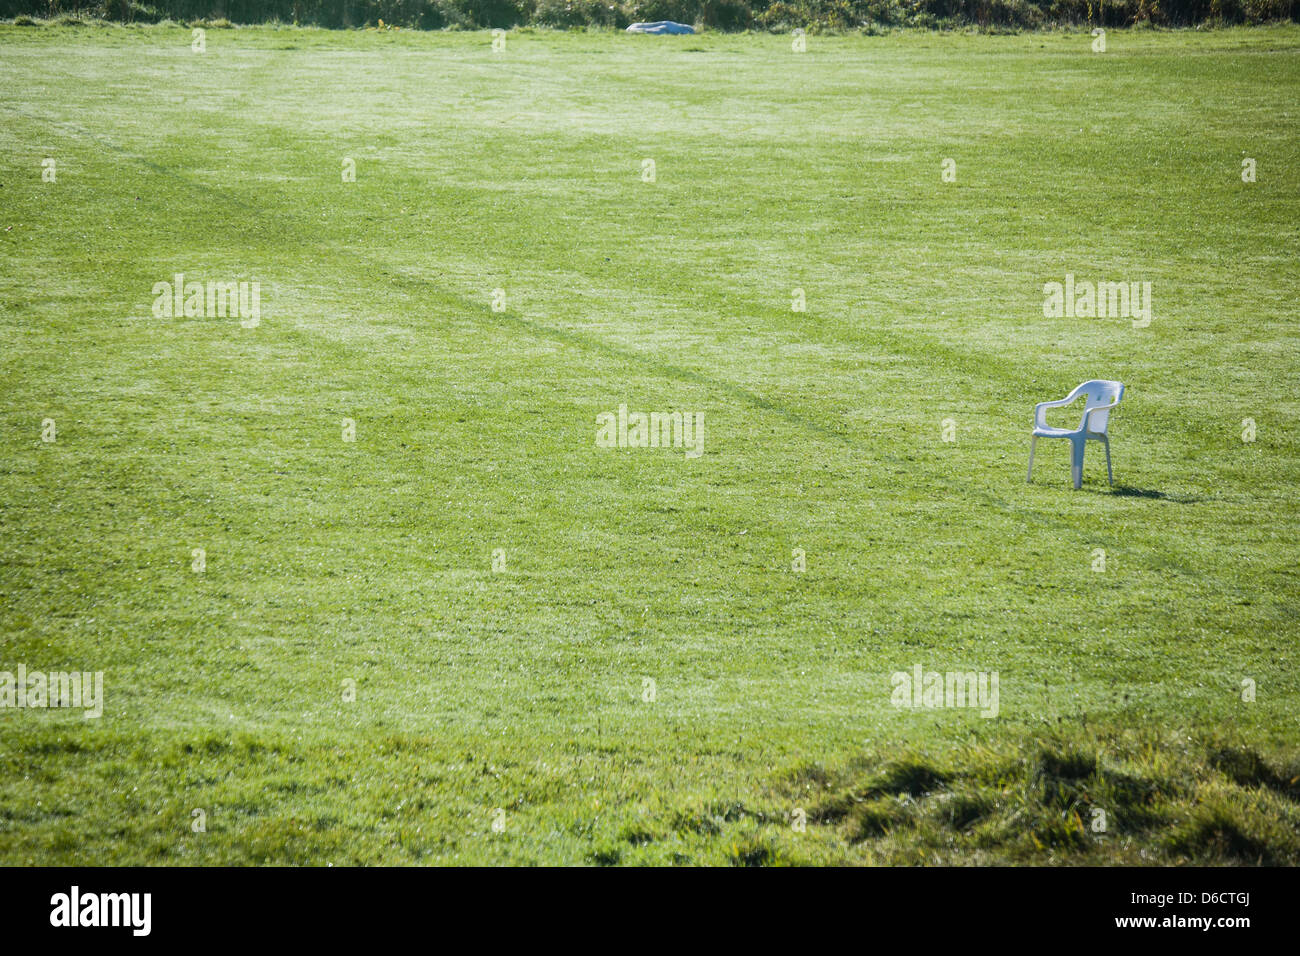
<point x="660" y="26"/>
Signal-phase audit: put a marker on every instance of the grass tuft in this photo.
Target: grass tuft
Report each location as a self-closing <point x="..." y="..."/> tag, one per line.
<point x="1063" y="803"/>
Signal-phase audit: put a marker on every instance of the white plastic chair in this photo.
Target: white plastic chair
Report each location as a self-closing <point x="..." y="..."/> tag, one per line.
<point x="1102" y="397"/>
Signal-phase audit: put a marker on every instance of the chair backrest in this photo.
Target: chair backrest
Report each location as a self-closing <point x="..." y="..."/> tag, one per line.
<point x="1100" y="393"/>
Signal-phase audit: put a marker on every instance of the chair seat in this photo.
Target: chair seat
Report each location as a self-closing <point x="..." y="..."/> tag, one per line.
<point x="1055" y="432"/>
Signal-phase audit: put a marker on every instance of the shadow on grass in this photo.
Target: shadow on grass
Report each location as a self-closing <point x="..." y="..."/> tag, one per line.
<point x="1127" y="491"/>
<point x="1167" y="797"/>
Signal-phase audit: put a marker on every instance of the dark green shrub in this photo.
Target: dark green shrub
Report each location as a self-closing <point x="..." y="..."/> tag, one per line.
<point x="565" y="14"/>
<point x="495" y="13"/>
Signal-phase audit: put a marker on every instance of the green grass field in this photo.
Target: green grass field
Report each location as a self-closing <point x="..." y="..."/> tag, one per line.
<point x="507" y="715"/>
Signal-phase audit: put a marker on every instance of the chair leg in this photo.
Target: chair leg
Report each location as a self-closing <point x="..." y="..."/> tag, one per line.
<point x="1076" y="463"/>
<point x="1033" y="443"/>
<point x="1110" y="475"/>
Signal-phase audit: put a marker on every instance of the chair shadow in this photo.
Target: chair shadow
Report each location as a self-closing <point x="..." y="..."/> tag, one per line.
<point x="1128" y="491"/>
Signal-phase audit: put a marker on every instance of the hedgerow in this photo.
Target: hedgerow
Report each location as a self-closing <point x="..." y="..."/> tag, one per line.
<point x="727" y="15"/>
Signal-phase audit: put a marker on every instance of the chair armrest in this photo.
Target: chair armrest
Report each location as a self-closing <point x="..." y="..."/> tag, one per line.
<point x="1040" y="420"/>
